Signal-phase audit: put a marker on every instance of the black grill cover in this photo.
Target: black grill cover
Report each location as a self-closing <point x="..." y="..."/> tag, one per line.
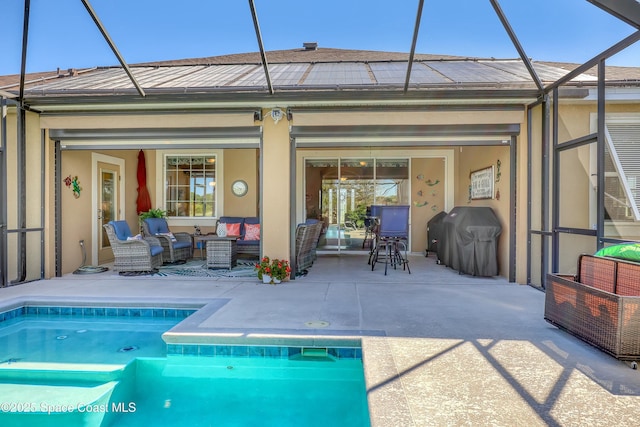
<point x="470" y="240"/>
<point x="435" y="230"/>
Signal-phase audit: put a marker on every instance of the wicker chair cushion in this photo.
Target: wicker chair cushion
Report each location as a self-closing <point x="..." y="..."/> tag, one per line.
<point x="155" y="250"/>
<point x="180" y="245"/>
<point x="122" y="229"/>
<point x="157" y="225"/>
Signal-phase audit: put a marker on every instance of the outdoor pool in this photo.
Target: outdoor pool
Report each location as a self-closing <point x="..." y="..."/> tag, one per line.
<point x="80" y="366"/>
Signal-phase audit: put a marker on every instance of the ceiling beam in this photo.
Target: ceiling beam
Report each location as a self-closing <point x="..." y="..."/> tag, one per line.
<point x="416" y="29"/>
<point x="625" y="10"/>
<point x="263" y="55"/>
<point x="113" y="46"/>
<point x="517" y="45"/>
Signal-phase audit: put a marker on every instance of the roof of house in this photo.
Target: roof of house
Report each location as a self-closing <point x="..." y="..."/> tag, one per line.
<point x="307" y="69"/>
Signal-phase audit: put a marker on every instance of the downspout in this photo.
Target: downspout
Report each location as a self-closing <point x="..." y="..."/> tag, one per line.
<point x="3" y="190"/>
<point x="292" y="211"/>
<point x="600" y="145"/>
<point x="21" y="156"/>
<point x="21" y="184"/>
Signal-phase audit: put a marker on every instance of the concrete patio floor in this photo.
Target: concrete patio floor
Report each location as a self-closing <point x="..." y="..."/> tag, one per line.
<point x="439" y="348"/>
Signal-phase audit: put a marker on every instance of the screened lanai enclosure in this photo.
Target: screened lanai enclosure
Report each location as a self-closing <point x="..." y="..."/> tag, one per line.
<point x="327" y="133"/>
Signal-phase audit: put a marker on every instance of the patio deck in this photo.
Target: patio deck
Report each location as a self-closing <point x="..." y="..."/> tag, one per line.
<point x="439" y="348"/>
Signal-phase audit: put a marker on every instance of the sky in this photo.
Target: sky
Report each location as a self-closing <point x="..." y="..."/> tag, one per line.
<point x="63" y="35"/>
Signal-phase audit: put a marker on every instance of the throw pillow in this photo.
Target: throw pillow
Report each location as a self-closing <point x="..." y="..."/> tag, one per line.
<point x="233" y="229"/>
<point x="221" y="229"/>
<point x="136" y="237"/>
<point x="252" y="232"/>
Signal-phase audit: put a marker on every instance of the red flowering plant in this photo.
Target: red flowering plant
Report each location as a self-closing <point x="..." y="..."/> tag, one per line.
<point x="275" y="268"/>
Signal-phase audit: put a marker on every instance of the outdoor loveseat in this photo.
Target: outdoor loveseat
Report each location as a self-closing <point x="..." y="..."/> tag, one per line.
<point x="600" y="304"/>
<point x="248" y="242"/>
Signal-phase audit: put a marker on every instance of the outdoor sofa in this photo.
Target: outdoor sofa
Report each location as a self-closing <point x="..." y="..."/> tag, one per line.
<point x="245" y="243"/>
<point x="600" y="304"/>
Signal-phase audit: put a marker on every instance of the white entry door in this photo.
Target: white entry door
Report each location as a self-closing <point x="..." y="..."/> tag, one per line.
<point x="108" y="203"/>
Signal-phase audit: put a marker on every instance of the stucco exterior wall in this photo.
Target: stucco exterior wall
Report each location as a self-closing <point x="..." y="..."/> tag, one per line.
<point x="427" y="200"/>
<point x="241" y="164"/>
<point x="276" y="188"/>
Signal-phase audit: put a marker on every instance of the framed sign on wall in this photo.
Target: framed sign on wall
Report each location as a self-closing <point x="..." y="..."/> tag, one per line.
<point x="482" y="183"/>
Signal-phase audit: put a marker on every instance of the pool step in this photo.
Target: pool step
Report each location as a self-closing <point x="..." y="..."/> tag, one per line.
<point x="35" y="371"/>
<point x="56" y="404"/>
<point x="55" y="394"/>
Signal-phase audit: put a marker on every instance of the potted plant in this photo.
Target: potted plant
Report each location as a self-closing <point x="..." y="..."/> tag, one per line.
<point x="272" y="271"/>
<point x="152" y="213"/>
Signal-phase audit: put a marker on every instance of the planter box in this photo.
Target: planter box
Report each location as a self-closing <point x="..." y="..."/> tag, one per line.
<point x="600" y="305"/>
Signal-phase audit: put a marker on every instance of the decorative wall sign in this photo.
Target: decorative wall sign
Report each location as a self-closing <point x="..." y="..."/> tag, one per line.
<point x="482" y="184"/>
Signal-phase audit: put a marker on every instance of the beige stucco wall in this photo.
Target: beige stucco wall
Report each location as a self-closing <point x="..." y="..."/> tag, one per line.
<point x="426" y="200"/>
<point x="78" y="214"/>
<point x="241" y="164"/>
<point x="276" y="188"/>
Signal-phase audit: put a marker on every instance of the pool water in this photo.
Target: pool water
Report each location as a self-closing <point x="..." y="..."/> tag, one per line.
<point x="201" y="391"/>
<point x="51" y="339"/>
<point x="111" y="368"/>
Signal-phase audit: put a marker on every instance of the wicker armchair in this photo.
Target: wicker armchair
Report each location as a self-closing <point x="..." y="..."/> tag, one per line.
<point x="137" y="255"/>
<point x="177" y="246"/>
<point x="306" y="243"/>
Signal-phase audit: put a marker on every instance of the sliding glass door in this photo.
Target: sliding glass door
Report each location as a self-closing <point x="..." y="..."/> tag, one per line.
<point x="339" y="190"/>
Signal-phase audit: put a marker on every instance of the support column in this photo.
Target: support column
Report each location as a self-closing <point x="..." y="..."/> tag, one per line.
<point x="276" y="187"/>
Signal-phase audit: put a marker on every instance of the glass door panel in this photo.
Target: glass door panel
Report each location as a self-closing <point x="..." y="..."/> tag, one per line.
<point x="392" y="182"/>
<point x="108" y="207"/>
<point x="356" y="193"/>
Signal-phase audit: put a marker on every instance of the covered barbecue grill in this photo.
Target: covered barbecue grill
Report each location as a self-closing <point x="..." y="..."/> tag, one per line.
<point x="469" y="242"/>
<point x="434" y="234"/>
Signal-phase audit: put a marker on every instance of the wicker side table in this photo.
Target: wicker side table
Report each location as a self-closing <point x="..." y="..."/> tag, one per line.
<point x="222" y="252"/>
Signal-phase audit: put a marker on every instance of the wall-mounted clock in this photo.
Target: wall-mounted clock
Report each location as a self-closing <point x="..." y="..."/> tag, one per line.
<point x="239" y="188"/>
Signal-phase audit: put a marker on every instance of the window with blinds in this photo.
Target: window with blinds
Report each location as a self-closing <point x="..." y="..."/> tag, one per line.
<point x="622" y="169"/>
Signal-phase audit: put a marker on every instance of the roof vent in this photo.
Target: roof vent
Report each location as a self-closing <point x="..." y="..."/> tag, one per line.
<point x="310" y="46"/>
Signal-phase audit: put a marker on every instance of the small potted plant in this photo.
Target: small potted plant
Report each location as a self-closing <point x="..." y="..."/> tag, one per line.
<point x="273" y="271"/>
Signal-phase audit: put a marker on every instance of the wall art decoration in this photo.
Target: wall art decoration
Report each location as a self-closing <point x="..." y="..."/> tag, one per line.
<point x="74" y="184"/>
<point x="482" y="183"/>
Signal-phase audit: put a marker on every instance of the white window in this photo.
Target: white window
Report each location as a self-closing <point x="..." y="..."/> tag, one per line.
<point x="190" y="182"/>
<point x="622" y="168"/>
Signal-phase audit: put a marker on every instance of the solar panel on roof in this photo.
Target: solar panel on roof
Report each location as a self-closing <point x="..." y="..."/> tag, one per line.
<point x="396" y="73"/>
<point x="338" y="74"/>
<point x="212" y="76"/>
<point x="472" y="72"/>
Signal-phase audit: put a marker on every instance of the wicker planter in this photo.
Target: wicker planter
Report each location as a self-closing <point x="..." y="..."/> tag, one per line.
<point x="606" y="320"/>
